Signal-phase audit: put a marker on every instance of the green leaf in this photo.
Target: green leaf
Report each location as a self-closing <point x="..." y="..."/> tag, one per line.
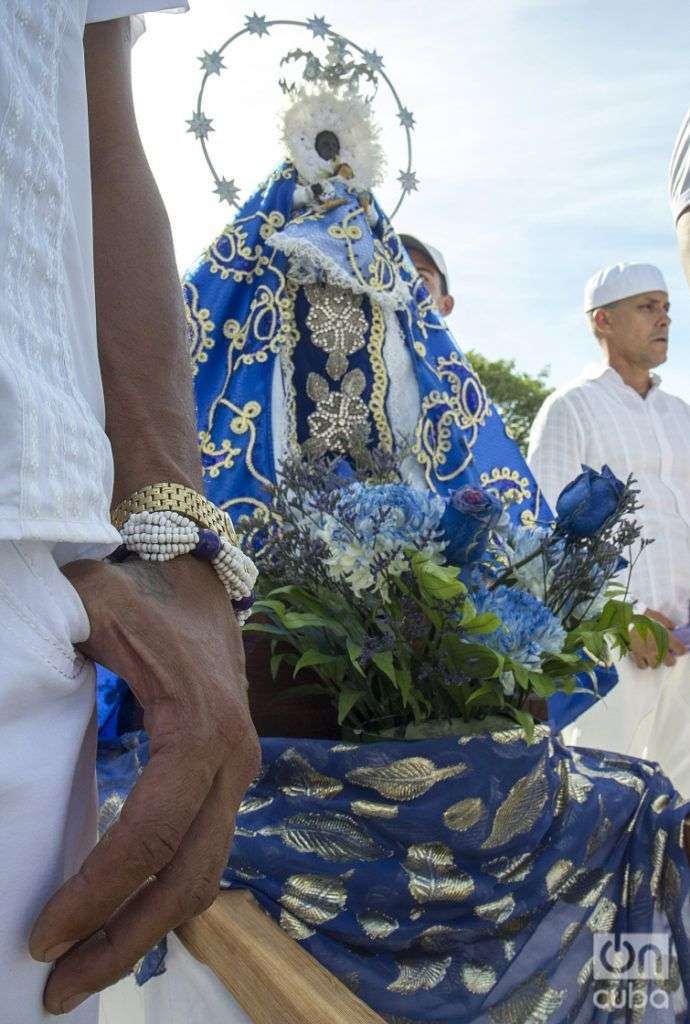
<point x="384" y="661"/>
<point x="486" y="622"/>
<point x="520" y="674"/>
<point x="266" y="604"/>
<point x="276" y="662"/>
<point x="303" y="620"/>
<point x="346" y="701"/>
<point x="469" y="613"/>
<point x="354" y="650"/>
<point x="404" y="683"/>
<point x="265" y="627"/>
<point x="477" y="661"/>
<point x="525" y="720"/>
<point x="437" y="582"/>
<point x="647" y="627"/>
<point x="487" y="695"/>
<point x="314" y="657"/>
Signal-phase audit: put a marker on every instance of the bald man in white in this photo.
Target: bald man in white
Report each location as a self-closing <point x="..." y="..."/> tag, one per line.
<point x="616" y="413"/>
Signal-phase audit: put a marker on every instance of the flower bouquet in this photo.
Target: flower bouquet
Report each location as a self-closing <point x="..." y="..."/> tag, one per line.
<point x="422" y="616"/>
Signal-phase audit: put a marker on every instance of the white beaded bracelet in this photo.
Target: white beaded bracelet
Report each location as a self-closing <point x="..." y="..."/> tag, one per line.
<point x="162" y="536"/>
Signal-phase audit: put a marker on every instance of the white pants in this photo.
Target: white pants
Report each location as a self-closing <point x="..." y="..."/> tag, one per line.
<point x="47" y="749"/>
<point x="647" y="715"/>
<point x="188" y="993"/>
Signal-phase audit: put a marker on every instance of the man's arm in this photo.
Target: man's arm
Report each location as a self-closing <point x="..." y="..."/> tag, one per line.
<point x="166" y="628"/>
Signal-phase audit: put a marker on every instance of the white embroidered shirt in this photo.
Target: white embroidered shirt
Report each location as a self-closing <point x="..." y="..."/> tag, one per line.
<point x="597" y="419"/>
<point x="55" y="461"/>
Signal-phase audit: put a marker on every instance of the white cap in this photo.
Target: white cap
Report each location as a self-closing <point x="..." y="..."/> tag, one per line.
<point x="436" y="257"/>
<point x="620" y="282"/>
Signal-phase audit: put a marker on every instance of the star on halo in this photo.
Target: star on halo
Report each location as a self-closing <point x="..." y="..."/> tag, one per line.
<point x="212" y="63"/>
<point x="318" y="27"/>
<point x="200" y="125"/>
<point x="227" y="190"/>
<point x="373" y="60"/>
<point x="406" y="117"/>
<point x="409" y="181"/>
<point x="256" y="25"/>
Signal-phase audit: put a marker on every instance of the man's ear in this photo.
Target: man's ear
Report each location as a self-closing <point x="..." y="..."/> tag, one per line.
<point x="446" y="305"/>
<point x="601" y="320"/>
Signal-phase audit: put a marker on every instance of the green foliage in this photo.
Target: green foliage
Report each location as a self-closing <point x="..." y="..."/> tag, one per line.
<point x="517" y="394"/>
<point x="381" y="677"/>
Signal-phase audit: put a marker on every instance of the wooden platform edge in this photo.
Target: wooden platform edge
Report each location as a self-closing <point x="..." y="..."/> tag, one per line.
<point x="271" y="976"/>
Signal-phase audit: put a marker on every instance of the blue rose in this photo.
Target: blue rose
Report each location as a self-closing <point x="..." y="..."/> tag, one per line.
<point x="588" y="502"/>
<point x="471" y="513"/>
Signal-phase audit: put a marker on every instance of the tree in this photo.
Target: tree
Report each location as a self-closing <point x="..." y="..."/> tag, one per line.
<point x="517" y="394"/>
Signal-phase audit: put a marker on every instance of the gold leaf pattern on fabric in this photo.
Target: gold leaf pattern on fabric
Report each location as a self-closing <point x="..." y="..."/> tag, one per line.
<point x="293" y="927"/>
<point x="331" y="836"/>
<point x="586" y="887"/>
<point x="557" y="874"/>
<point x="579" y="787"/>
<point x="513" y="926"/>
<point x="314" y="898"/>
<point x="376" y="924"/>
<point x="660" y="803"/>
<point x="404" y="779"/>
<point x="109" y="812"/>
<point x="602" y="832"/>
<point x="297" y="777"/>
<point x="510" y="869"/>
<point x="433" y="875"/>
<point x="463" y="815"/>
<point x="245" y="870"/>
<point x="497" y="911"/>
<point x="532" y="1002"/>
<point x="416" y="914"/>
<point x="438" y="938"/>
<point x="478" y="978"/>
<point x="371" y="809"/>
<point x="342" y="748"/>
<point x="520" y="809"/>
<point x="563" y="792"/>
<point x="658" y="860"/>
<point x="584" y="975"/>
<point x="671" y="890"/>
<point x="509" y="949"/>
<point x="569" y="935"/>
<point x="337" y="325"/>
<point x="603" y="916"/>
<point x="419" y="975"/>
<point x="250" y="804"/>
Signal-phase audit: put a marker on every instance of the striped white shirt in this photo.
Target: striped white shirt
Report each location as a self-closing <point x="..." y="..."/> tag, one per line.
<point x="597" y="419"/>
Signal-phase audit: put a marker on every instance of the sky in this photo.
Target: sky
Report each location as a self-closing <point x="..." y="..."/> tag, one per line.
<point x="543" y="135"/>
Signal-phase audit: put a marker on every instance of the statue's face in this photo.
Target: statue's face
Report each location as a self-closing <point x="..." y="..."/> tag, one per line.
<point x="429" y="273"/>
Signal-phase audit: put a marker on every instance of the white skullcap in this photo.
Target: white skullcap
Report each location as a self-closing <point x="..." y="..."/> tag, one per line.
<point x="620" y="282"/>
<point x="431" y="253"/>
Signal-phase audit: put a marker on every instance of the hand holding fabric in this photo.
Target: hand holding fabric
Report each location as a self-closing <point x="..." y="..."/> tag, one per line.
<point x="644" y="651"/>
<point x="168" y="629"/>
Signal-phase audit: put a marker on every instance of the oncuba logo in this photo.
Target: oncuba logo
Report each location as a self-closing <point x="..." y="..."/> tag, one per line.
<point x="624" y="961"/>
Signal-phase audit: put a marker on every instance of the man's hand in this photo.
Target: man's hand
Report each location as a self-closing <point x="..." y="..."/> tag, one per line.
<point x="644" y="651"/>
<point x="169" y="630"/>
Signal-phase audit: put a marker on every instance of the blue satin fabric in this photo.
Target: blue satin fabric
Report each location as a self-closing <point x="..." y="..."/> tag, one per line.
<point x="241" y="313"/>
<point x="459" y="880"/>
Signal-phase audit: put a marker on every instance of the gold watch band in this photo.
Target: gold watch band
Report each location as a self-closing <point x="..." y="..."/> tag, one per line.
<point x="167" y="497"/>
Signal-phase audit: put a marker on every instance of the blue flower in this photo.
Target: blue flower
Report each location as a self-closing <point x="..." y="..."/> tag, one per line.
<point x="470" y="515"/>
<point x="528" y="629"/>
<point x="371" y="527"/>
<point x="588" y="502"/>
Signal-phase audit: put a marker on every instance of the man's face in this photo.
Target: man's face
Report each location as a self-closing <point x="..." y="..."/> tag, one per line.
<point x="429" y="273"/>
<point x="636" y="329"/>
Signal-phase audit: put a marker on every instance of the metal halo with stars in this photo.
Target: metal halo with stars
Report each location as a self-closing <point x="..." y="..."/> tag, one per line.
<point x="212" y="63"/>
